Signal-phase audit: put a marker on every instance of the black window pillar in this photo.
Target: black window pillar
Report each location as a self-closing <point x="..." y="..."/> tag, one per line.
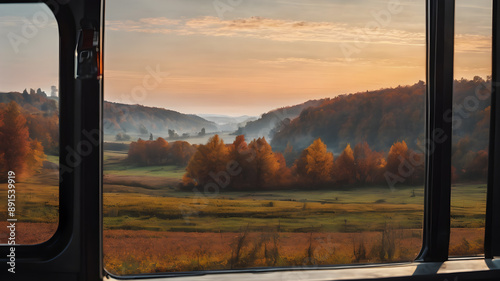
<point x="492" y="225"/>
<point x="440" y="48"/>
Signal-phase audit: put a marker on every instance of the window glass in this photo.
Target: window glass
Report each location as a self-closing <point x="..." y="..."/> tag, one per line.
<point x="244" y="134"/>
<point x="29" y="124"/>
<point x="471" y="121"/>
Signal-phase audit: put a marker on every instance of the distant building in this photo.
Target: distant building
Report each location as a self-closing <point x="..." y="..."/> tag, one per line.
<point x="53" y="91"/>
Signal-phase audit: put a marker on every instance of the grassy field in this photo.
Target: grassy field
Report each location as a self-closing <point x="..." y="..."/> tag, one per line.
<point x="173" y="230"/>
<point x="37" y="208"/>
<point x="151" y="226"/>
<point x="135" y="195"/>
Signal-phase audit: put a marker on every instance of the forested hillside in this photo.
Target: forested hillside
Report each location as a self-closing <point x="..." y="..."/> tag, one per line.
<point x="382" y="117"/>
<point x="32" y="101"/>
<point x="142" y="119"/>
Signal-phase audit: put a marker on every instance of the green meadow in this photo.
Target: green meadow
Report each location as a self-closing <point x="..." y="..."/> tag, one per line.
<point x="148" y="198"/>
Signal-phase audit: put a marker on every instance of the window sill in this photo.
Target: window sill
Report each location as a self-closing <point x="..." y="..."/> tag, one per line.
<point x="468" y="268"/>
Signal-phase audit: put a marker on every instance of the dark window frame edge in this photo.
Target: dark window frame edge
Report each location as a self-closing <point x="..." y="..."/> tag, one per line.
<point x="51" y="264"/>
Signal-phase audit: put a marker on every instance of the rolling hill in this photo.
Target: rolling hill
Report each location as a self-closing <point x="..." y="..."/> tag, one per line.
<point x="142" y="119"/>
<point x="32" y="102"/>
<point x="383" y="117"/>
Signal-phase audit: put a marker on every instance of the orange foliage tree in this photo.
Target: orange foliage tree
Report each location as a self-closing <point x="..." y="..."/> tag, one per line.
<point x="368" y="164"/>
<point x="242" y="155"/>
<point x="398" y="154"/>
<point x="19" y="153"/>
<point x="181" y="152"/>
<point x="344" y="168"/>
<point x="265" y="165"/>
<point x="45" y="129"/>
<point x="238" y="165"/>
<point x="405" y="164"/>
<point x="315" y="163"/>
<point x="208" y="159"/>
<point x="137" y="152"/>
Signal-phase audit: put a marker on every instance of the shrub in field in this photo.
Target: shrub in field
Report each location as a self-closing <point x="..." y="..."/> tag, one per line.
<point x="466" y="248"/>
<point x="385" y="249"/>
<point x="359" y="249"/>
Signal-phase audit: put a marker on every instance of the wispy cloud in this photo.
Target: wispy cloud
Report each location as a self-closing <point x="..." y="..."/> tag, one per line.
<point x="470" y="43"/>
<point x="287" y="62"/>
<point x="145" y="25"/>
<point x="270" y="29"/>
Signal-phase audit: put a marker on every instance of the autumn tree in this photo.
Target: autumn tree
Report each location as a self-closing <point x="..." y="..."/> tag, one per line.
<point x="242" y="155"/>
<point x="315" y="163"/>
<point x="208" y="160"/>
<point x="45" y="129"/>
<point x="137" y="152"/>
<point x="368" y="164"/>
<point x="264" y="166"/>
<point x="19" y="153"/>
<point x="404" y="164"/>
<point x="344" y="168"/>
<point x="284" y="175"/>
<point x="157" y="152"/>
<point x="35" y="156"/>
<point x="239" y="150"/>
<point x="180" y="152"/>
<point x="398" y="155"/>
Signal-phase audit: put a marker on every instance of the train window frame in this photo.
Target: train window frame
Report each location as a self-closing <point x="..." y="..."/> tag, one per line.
<point x="75" y="251"/>
<point x="54" y="245"/>
<point x="40" y="20"/>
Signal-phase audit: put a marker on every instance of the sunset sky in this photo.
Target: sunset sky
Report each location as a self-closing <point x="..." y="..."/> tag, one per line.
<point x="255" y="56"/>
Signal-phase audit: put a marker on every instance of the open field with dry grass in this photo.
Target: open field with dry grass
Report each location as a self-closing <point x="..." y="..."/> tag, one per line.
<point x="152" y="226"/>
<point x="132" y="252"/>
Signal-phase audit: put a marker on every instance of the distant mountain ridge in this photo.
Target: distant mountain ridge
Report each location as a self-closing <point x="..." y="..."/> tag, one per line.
<point x="227" y="123"/>
<point x="142" y="119"/>
<point x="225" y="119"/>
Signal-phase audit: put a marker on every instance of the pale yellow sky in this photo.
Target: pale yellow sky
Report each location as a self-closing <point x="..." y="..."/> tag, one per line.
<point x="262" y="55"/>
<point x="221" y="58"/>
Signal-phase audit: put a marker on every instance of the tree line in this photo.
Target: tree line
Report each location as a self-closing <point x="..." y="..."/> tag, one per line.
<point x="160" y="152"/>
<point x="254" y="165"/>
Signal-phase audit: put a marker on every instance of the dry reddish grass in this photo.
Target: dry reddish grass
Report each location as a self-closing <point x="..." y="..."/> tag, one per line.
<point x="466" y="241"/>
<point x="132" y="252"/>
<point x="28" y="233"/>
